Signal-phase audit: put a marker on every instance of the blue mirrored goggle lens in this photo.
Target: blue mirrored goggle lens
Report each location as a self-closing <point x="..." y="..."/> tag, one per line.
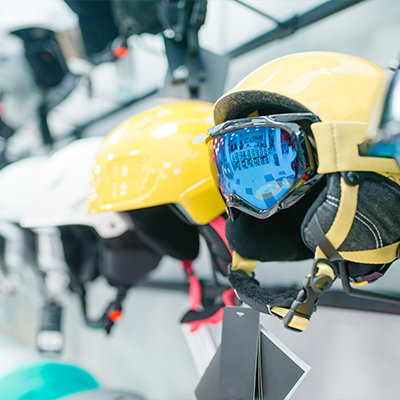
<point x="257" y="163"/>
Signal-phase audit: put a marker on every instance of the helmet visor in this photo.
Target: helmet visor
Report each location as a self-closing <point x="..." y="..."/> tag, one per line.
<point x="257" y="164"/>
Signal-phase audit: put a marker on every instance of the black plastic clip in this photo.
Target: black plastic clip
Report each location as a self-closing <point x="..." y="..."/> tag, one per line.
<point x="321" y="279"/>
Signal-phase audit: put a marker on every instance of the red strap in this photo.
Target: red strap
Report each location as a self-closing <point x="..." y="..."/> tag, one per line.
<point x="194" y="285"/>
<point x="229" y="298"/>
<point x="187" y="265"/>
<point x="218" y="224"/>
<point x="214" y="319"/>
<point x="194" y="292"/>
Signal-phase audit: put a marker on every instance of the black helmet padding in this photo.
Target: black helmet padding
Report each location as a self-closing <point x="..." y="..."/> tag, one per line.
<point x="242" y="104"/>
<point x="81" y="252"/>
<point x="127" y="260"/>
<point x="376" y="223"/>
<point x="277" y="238"/>
<point x="166" y="233"/>
<point x="259" y="298"/>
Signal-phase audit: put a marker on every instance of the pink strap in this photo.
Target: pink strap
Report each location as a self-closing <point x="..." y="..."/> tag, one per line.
<point x="214" y="319"/>
<point x="229" y="298"/>
<point x="194" y="292"/>
<point x="194" y="285"/>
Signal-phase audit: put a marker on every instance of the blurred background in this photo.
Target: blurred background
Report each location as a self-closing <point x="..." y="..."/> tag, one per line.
<point x="353" y="354"/>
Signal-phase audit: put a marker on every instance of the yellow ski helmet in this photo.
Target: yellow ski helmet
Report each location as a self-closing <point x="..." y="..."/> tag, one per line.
<point x="158" y="157"/>
<point x="154" y="169"/>
<point x="333" y="86"/>
<point x="286" y="150"/>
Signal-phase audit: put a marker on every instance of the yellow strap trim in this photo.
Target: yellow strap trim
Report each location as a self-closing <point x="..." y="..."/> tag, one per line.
<point x="298" y="322"/>
<point x="375" y="256"/>
<point x="343" y="221"/>
<point x="383" y="255"/>
<point x="254" y="114"/>
<point x="279" y="311"/>
<point x="325" y="269"/>
<point x="341" y="227"/>
<point x="360" y="283"/>
<point x="243" y="264"/>
<point x="338" y="143"/>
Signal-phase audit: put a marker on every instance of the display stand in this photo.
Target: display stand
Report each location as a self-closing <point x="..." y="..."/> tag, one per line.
<point x="250" y="363"/>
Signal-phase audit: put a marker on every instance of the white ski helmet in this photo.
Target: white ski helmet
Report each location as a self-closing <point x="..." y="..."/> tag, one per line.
<point x="14" y="181"/>
<point x="58" y="192"/>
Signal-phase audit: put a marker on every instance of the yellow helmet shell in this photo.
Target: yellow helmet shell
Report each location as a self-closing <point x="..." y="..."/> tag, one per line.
<point x="334" y="86"/>
<point x="158" y="157"/>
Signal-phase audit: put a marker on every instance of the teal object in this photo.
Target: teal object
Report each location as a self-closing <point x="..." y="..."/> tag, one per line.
<point x="382" y="149"/>
<point x="385" y="149"/>
<point x="45" y="381"/>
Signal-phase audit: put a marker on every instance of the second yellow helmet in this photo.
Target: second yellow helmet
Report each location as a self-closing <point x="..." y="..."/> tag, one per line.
<point x="158" y="157"/>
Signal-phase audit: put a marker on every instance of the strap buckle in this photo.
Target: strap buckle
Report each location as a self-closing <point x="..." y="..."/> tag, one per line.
<point x="112" y="313"/>
<point x="323" y="274"/>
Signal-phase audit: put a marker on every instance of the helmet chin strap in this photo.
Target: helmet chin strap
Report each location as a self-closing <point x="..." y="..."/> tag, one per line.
<point x="334" y="256"/>
<point x="296" y="307"/>
<point x="293" y="306"/>
<point x="330" y="263"/>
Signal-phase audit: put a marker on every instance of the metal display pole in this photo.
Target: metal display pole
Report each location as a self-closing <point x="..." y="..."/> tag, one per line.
<point x="293" y="24"/>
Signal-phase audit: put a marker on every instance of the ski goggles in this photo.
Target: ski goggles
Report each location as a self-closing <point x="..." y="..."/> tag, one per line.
<point x="262" y="164"/>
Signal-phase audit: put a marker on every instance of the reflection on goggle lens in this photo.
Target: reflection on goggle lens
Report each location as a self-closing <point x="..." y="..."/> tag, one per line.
<point x="257" y="163"/>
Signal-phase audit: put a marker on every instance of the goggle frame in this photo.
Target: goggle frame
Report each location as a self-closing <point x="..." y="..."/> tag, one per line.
<point x="287" y="122"/>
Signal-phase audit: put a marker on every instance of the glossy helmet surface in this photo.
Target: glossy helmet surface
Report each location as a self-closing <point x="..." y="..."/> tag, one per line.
<point x="333" y="86"/>
<point x="158" y="157"/>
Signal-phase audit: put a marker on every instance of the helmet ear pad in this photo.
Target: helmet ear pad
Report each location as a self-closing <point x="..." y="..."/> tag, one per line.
<point x="164" y="231"/>
<point x="277" y="238"/>
<point x="81" y="250"/>
<point x="376" y="223"/>
<point x="127" y="259"/>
